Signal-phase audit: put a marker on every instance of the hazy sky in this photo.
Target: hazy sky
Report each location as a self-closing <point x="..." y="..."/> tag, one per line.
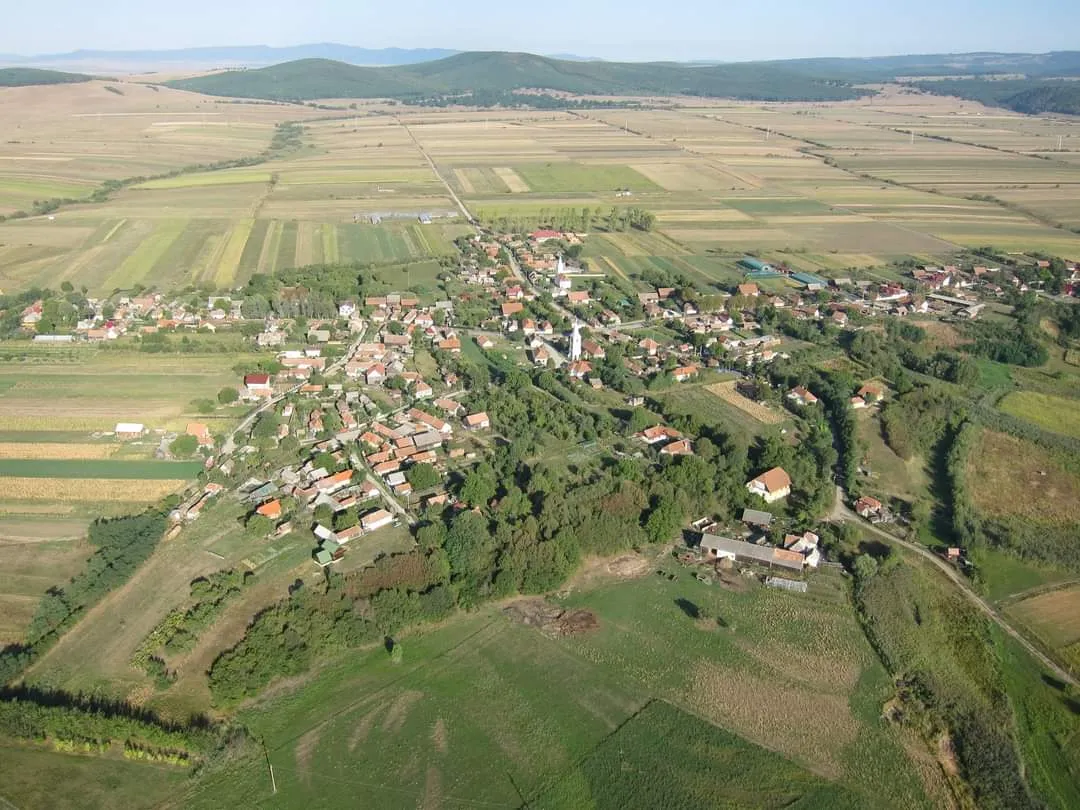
<point x="626" y="29"/>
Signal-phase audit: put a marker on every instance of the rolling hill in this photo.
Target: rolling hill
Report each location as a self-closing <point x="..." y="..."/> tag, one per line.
<point x="25" y="77"/>
<point x="494" y="72"/>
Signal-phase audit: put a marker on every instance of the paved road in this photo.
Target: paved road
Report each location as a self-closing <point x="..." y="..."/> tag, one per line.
<point x="842" y="513"/>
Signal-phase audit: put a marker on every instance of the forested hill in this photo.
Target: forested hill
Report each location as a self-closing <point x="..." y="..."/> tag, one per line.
<point x="1022" y="95"/>
<point x="24" y="77"/>
<point x="497" y="72"/>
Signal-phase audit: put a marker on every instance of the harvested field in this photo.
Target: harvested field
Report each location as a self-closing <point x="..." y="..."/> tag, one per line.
<point x="512" y="180"/>
<point x="30" y="450"/>
<point x="727" y="392"/>
<point x="1053" y="617"/>
<point x="82" y="489"/>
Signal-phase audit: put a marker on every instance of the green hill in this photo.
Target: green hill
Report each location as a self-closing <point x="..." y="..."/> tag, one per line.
<point x="497" y="72"/>
<point x="1021" y="95"/>
<point x="24" y="77"/>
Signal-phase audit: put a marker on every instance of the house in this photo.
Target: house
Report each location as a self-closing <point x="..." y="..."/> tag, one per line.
<point x="867" y="507"/>
<point x="858" y="403"/>
<point x="871" y="392"/>
<point x="346" y="309"/>
<point x="200" y="432"/>
<point x="270" y="509"/>
<point x="422" y="390"/>
<point x="257" y="385"/>
<point x="801" y="396"/>
<point x="721" y="548"/>
<point x="772" y="485"/>
<point x="375" y="374"/>
<point x="484" y="342"/>
<point x="754" y="517"/>
<point x="511" y="308"/>
<point x="477" y="421"/>
<point x="376" y="520"/>
<point x="657" y="434"/>
<point x="749" y="290"/>
<point x="679" y="448"/>
<point x="684" y="373"/>
<point x="579" y="368"/>
<point x="839" y="317"/>
<point x="650" y="346"/>
<point x="805" y="544"/>
<point x="591" y="350"/>
<point x="449" y="406"/>
<point x="345" y="535"/>
<point x="577" y="297"/>
<point x="451" y="344"/>
<point x="129" y="430"/>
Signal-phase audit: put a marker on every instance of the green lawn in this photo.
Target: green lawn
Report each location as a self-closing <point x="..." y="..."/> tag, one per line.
<point x="1053" y="413"/>
<point x="99" y="468"/>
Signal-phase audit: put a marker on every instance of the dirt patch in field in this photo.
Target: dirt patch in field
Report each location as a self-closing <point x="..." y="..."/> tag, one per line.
<point x="512" y="179"/>
<point x="799" y="722"/>
<point x="600" y="570"/>
<point x="432" y="790"/>
<point x="549" y="619"/>
<point x="305" y="752"/>
<point x="399" y="710"/>
<point x="1054" y="617"/>
<point x="439" y="737"/>
<point x="363" y="728"/>
<point x="941" y="335"/>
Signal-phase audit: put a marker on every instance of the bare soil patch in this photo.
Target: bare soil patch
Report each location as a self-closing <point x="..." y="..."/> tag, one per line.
<point x="549" y="619"/>
<point x="363" y="728"/>
<point x="305" y="752"/>
<point x="439" y="737"/>
<point x="599" y="570"/>
<point x="432" y="789"/>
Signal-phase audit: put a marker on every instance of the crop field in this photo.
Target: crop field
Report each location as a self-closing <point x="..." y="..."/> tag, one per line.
<point x="762" y="413"/>
<point x="722" y="178"/>
<point x="1050" y="412"/>
<point x="1054" y="619"/>
<point x="697" y="400"/>
<point x="1011" y="477"/>
<point x="478" y="710"/>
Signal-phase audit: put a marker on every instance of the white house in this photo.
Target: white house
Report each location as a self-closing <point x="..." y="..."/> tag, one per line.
<point x="772" y="485"/>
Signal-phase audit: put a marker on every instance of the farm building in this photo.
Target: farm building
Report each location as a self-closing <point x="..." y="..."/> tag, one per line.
<point x="129" y="430"/>
<point x="376" y="520"/>
<point x="794" y="585"/>
<point x="756" y="265"/>
<point x="801" y="396"/>
<point x="772" y="485"/>
<point x="810" y="281"/>
<point x="719" y="548"/>
<point x="754" y="517"/>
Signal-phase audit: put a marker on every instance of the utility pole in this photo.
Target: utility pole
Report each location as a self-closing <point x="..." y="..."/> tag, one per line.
<point x="912" y="133"/>
<point x="1059" y="143"/>
<point x="273" y="782"/>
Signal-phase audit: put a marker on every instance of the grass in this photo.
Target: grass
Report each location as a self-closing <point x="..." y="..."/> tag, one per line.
<point x="1050" y="412"/>
<point x="1002" y="575"/>
<point x="144" y="470"/>
<point x="664" y="757"/>
<point x="696" y="400"/>
<point x="37" y="778"/>
<point x="890" y="475"/>
<point x="479" y="710"/>
<point x="1053" y="617"/>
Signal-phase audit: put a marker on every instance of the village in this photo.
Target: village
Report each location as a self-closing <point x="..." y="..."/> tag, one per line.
<point x="376" y="435"/>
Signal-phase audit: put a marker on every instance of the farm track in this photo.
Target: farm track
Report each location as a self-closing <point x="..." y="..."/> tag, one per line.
<point x="841" y="513"/>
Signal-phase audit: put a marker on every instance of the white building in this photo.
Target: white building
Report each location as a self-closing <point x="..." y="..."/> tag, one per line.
<point x="575" y="343"/>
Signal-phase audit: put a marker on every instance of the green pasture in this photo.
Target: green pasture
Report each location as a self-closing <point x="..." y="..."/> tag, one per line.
<point x="1052" y="413"/>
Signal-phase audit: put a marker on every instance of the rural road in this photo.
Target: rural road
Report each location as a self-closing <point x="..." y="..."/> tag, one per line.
<point x="435" y="171"/>
<point x="841" y="513"/>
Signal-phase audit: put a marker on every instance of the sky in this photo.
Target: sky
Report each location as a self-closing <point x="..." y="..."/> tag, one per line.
<point x="610" y="29"/>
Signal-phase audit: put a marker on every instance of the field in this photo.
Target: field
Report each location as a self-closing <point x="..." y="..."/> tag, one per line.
<point x="827" y="188"/>
<point x="479" y="710"/>
<point x="890" y="475"/>
<point x="1013" y="478"/>
<point x="698" y="401"/>
<point x="762" y="413"/>
<point x="1053" y="618"/>
<point x="1050" y="412"/>
<point x="35" y="555"/>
